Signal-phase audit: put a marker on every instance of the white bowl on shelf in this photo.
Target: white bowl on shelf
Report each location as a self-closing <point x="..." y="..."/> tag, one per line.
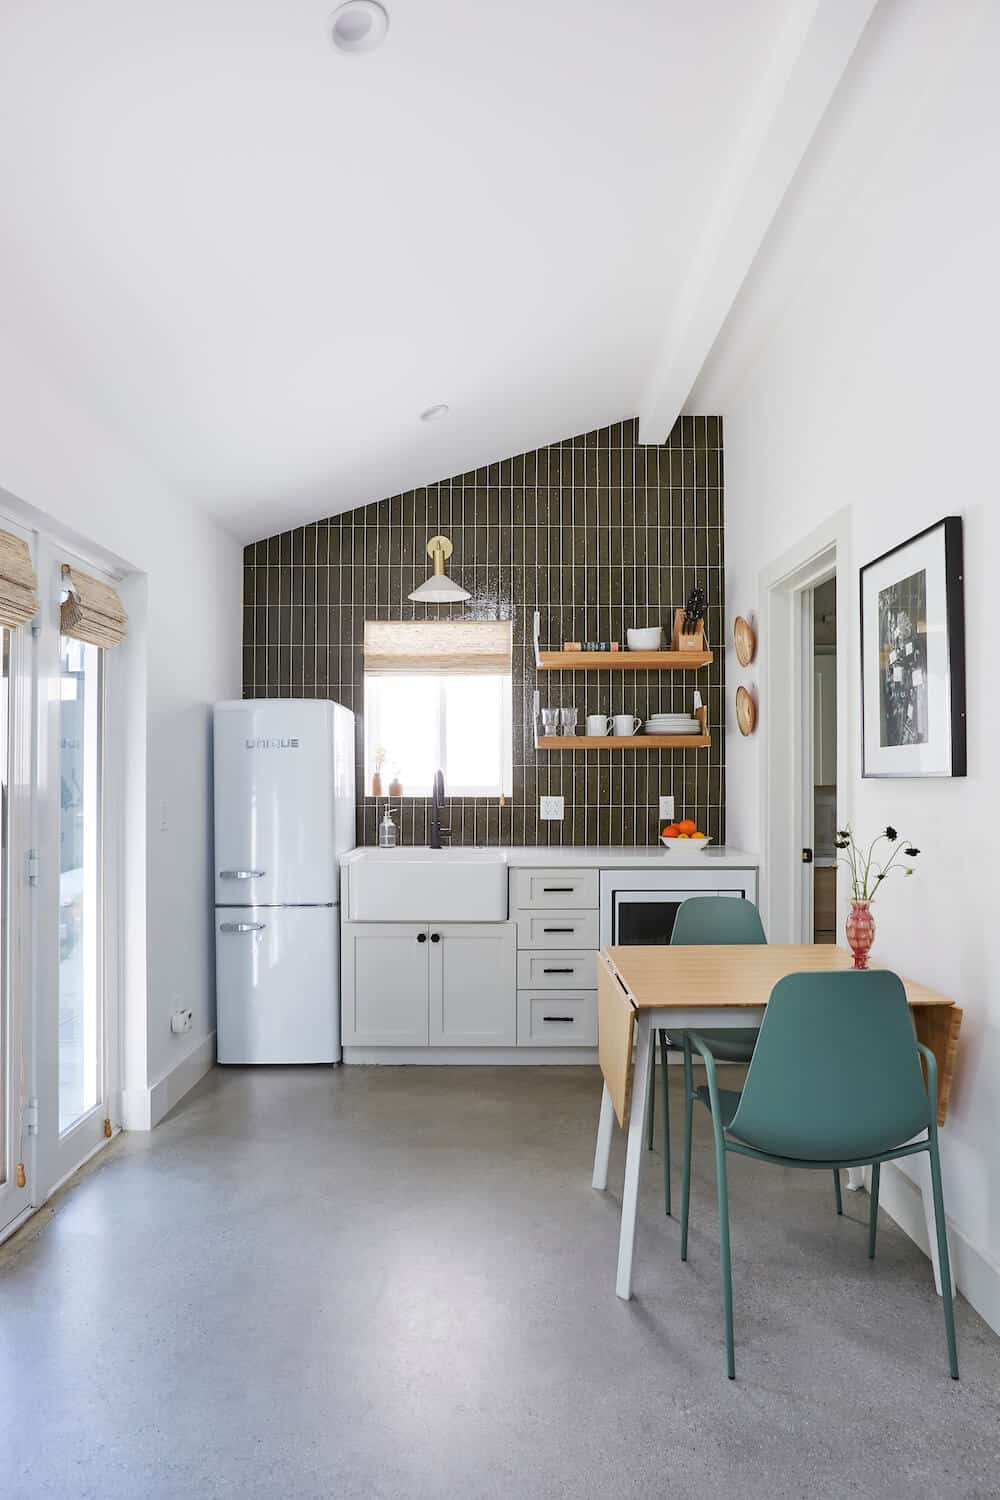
<point x="686" y="845"/>
<point x="650" y="639"/>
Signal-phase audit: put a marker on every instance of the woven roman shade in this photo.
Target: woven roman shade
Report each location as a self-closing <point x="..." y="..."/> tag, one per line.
<point x="18" y="584"/>
<point x="395" y="648"/>
<point x="92" y="610"/>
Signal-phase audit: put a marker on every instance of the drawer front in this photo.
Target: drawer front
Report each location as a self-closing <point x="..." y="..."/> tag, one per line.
<point x="551" y="969"/>
<point x="555" y="888"/>
<point x="567" y="1019"/>
<point x="557" y="929"/>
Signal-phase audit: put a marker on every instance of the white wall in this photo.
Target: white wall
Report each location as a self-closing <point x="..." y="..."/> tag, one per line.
<point x="183" y="654"/>
<point x="859" y="370"/>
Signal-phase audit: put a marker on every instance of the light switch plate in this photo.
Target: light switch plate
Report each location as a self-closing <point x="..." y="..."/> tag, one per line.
<point x="666" y="807"/>
<point x="550" y="809"/>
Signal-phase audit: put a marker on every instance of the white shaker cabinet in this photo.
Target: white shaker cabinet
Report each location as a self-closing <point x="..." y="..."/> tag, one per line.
<point x="384" y="982"/>
<point x="473" y="984"/>
<point x="443" y="984"/>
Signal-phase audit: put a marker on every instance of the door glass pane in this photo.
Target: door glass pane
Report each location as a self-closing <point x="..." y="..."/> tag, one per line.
<point x="8" y="1076"/>
<point x="79" y="889"/>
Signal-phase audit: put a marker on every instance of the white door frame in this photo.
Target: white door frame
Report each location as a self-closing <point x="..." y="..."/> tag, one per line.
<point x="786" y="720"/>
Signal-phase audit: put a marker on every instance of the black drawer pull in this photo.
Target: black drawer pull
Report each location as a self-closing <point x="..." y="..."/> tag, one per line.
<point x="558" y="890"/>
<point x="557" y="1018"/>
<point x="559" y="971"/>
<point x="558" y="929"/>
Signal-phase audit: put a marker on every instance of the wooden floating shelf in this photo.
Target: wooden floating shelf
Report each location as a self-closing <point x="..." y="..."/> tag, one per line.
<point x="623" y="661"/>
<point x="630" y="741"/>
<point x="624" y="742"/>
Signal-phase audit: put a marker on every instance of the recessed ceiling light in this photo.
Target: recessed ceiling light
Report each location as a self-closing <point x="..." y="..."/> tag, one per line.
<point x="435" y="413"/>
<point x="359" y="25"/>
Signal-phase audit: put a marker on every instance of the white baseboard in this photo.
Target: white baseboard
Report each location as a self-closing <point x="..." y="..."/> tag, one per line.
<point x="974" y="1274"/>
<point x="482" y="1057"/>
<point x="142" y="1109"/>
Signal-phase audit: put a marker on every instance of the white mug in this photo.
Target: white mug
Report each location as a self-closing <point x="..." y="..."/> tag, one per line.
<point x="598" y="724"/>
<point x="626" y="724"/>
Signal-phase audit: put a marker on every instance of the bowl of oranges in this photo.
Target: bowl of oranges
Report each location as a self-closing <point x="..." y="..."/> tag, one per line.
<point x="685" y="835"/>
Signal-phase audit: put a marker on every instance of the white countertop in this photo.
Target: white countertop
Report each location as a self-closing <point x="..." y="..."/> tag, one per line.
<point x="565" y="856"/>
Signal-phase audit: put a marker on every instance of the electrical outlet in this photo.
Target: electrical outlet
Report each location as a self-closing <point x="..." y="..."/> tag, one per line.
<point x="181" y="1021"/>
<point x="550" y="809"/>
<point x="666" y="807"/>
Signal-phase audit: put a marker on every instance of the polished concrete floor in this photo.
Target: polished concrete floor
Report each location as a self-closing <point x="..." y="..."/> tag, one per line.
<point x="375" y="1283"/>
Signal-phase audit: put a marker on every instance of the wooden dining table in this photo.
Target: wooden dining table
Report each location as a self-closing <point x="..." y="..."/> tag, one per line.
<point x="641" y="989"/>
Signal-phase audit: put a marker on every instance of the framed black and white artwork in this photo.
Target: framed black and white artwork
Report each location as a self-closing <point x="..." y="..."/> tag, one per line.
<point x="913" y="657"/>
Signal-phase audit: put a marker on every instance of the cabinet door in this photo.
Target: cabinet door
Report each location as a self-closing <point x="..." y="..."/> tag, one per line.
<point x="384" y="980"/>
<point x="473" y="990"/>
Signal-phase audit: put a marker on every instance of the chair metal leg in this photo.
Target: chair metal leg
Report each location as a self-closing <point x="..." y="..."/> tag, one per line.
<point x="686" y="1166"/>
<point x="722" y="1187"/>
<point x="943" y="1261"/>
<point x="836" y="1189"/>
<point x="651" y="1105"/>
<point x="873" y="1210"/>
<point x="666" y="1123"/>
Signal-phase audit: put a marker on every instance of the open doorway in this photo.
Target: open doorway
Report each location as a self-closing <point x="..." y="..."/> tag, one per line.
<point x="824" y="758"/>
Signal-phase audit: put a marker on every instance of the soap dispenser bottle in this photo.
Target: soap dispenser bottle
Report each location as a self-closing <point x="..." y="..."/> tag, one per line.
<point x="387" y="832"/>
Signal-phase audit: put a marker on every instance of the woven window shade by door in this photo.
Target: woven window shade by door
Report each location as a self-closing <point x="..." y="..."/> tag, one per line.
<point x="92" y="610"/>
<point x="395" y="648"/>
<point x="18" y="583"/>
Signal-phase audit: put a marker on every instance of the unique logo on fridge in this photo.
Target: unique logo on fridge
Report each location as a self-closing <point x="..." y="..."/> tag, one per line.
<point x="276" y="744"/>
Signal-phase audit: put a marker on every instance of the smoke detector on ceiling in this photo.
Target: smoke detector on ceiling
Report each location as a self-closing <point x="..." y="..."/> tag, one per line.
<point x="359" y="25"/>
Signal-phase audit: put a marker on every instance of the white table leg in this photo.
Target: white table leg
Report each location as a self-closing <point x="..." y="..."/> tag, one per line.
<point x="633" y="1156"/>
<point x="605" y="1132"/>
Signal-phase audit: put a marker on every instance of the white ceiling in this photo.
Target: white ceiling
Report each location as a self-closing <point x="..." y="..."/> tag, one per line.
<point x="259" y="259"/>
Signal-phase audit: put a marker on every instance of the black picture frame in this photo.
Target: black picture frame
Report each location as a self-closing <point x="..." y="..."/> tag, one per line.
<point x="913" y="705"/>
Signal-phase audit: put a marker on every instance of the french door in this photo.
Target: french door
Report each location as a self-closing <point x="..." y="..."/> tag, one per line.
<point x="56" y="1042"/>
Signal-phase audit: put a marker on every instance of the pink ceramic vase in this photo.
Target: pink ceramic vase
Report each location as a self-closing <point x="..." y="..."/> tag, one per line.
<point x="860" y="932"/>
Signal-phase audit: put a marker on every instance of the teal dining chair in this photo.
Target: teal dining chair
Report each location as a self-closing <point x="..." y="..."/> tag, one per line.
<point x="835" y="1081"/>
<point x="704" y="919"/>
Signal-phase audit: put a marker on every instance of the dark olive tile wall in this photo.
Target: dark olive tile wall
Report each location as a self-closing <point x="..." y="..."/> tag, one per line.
<point x="598" y="533"/>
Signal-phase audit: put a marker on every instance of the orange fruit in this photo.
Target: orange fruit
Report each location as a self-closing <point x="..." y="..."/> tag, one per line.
<point x="671" y="832"/>
<point x="687" y="826"/>
<point x="683" y="835"/>
<point x="697" y="835"/>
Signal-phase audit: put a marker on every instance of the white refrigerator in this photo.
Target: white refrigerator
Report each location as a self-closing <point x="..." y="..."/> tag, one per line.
<point x="284" y="813"/>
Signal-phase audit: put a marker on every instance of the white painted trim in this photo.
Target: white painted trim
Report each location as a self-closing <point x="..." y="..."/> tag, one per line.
<point x="974" y="1274"/>
<point x="143" y="1109"/>
<point x="484" y="1057"/>
<point x="806" y="63"/>
<point x="824" y="551"/>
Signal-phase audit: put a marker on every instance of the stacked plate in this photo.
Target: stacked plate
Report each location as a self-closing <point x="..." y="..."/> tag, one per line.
<point x="672" y="724"/>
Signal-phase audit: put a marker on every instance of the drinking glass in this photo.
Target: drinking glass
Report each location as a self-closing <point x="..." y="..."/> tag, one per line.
<point x="550" y="721"/>
<point x="567" y="718"/>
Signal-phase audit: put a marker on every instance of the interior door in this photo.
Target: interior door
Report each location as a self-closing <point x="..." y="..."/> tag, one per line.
<point x="16" y="1143"/>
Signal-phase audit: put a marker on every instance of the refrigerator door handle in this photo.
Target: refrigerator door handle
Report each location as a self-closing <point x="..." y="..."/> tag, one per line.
<point x="242" y="926"/>
<point x="241" y="874"/>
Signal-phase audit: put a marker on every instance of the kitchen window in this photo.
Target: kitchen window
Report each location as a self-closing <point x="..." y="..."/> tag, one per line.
<point x="460" y="724"/>
<point x="438" y="695"/>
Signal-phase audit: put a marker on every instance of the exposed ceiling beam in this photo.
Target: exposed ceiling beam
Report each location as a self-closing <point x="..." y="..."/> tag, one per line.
<point x="809" y="58"/>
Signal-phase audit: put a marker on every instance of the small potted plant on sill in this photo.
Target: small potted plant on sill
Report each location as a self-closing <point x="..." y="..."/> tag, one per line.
<point x="869" y="867"/>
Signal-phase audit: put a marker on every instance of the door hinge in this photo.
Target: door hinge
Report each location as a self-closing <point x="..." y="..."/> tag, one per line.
<point x="31" y="866"/>
<point x="807" y="856"/>
<point x="31" y="1116"/>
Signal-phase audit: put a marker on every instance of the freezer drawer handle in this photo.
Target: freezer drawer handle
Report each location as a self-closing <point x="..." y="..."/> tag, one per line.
<point x="241" y="874"/>
<point x="242" y="926"/>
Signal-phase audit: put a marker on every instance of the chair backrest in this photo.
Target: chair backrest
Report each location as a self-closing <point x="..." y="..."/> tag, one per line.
<point x="717" y="919"/>
<point x="836" y="1073"/>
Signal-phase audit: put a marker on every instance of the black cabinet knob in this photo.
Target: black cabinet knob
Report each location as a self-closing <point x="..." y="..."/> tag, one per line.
<point x="435" y="937"/>
<point x="421" y="937"/>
